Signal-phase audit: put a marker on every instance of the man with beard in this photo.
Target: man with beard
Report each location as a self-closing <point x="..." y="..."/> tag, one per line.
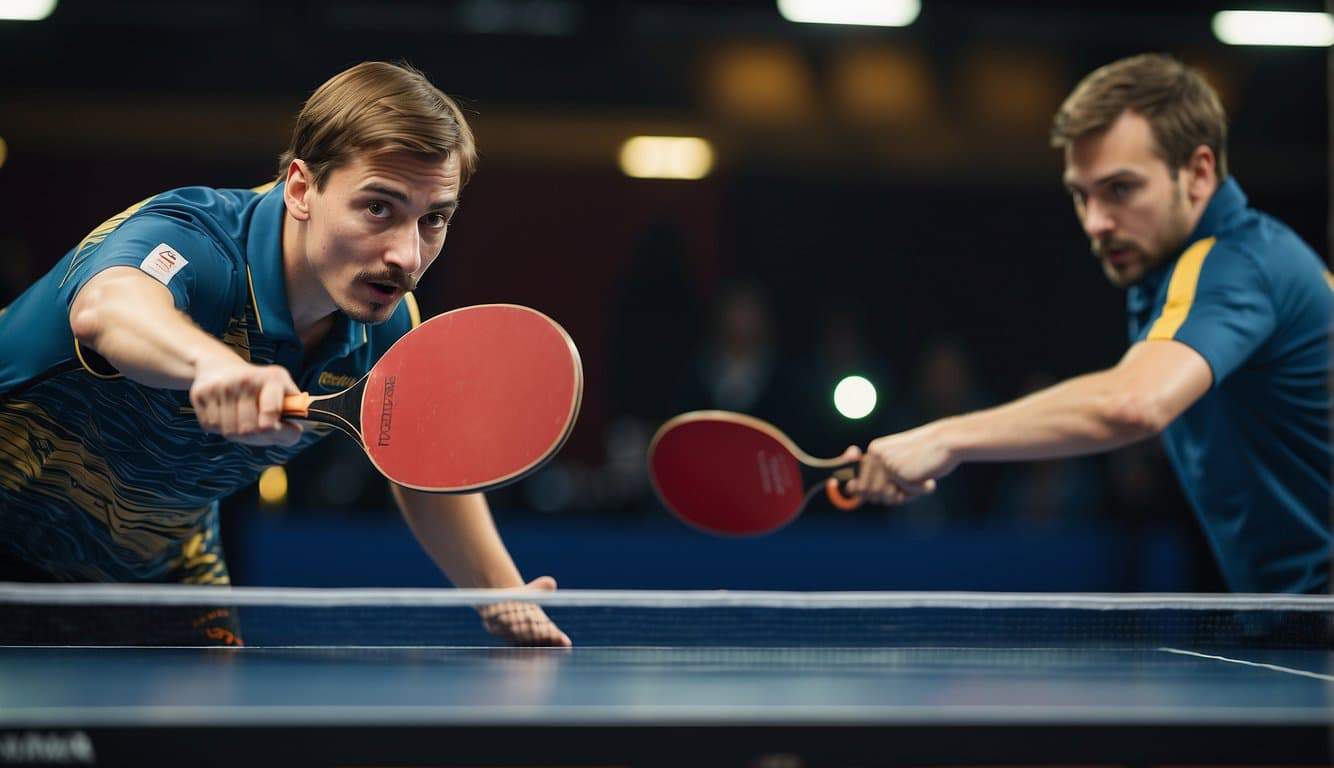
<point x="1229" y="315"/>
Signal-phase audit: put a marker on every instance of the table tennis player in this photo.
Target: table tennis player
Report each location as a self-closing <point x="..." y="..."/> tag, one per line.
<point x="1229" y="318"/>
<point x="142" y="379"/>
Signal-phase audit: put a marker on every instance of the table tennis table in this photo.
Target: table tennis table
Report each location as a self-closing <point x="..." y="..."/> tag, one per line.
<point x="993" y="701"/>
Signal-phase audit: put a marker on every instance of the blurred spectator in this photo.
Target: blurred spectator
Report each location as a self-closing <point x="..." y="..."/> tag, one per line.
<point x="654" y="330"/>
<point x="652" y="337"/>
<point x="1143" y="497"/>
<point x="737" y="367"/>
<point x="945" y="383"/>
<point x="1048" y="493"/>
<point x="1140" y="485"/>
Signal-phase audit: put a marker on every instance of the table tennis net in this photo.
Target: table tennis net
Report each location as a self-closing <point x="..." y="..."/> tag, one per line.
<point x="58" y="614"/>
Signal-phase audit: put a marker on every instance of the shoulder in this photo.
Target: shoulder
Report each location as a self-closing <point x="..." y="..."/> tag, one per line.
<point x="220" y="214"/>
<point x="204" y="202"/>
<point x="183" y="238"/>
<point x="1267" y="247"/>
<point x="200" y="220"/>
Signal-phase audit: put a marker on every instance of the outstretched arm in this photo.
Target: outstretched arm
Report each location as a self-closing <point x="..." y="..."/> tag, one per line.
<point x="1153" y="384"/>
<point x="457" y="531"/>
<point x="130" y="319"/>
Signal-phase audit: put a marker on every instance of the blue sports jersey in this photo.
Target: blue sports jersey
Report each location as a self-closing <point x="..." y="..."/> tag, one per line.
<point x="102" y="478"/>
<point x="1253" y="454"/>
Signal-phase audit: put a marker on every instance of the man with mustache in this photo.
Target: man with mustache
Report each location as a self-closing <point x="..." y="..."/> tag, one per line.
<point x="142" y="379"/>
<point x="1229" y="315"/>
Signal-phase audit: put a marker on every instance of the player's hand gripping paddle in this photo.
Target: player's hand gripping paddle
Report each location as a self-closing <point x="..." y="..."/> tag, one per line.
<point x="467" y="401"/>
<point x="728" y="473"/>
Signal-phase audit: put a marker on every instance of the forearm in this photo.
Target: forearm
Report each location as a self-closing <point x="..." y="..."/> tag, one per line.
<point x="1154" y="383"/>
<point x="460" y="536"/>
<point x="130" y="320"/>
<point x="1084" y="415"/>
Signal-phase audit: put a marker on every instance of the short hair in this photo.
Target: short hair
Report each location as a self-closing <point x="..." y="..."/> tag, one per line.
<point x="378" y="107"/>
<point x="1182" y="109"/>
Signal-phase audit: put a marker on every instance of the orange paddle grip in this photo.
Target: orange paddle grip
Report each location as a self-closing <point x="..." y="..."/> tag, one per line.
<point x="297" y="405"/>
<point x="839" y="499"/>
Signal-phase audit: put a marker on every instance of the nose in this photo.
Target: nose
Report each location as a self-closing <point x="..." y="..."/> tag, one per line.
<point x="405" y="250"/>
<point x="1097" y="222"/>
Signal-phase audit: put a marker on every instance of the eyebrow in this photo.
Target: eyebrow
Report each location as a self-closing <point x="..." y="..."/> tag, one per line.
<point x="439" y="205"/>
<point x="1104" y="180"/>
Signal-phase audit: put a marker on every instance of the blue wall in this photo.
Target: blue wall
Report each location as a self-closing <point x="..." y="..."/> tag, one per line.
<point x="306" y="550"/>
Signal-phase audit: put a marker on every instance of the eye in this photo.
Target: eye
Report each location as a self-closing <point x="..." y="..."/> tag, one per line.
<point x="436" y="220"/>
<point x="377" y="209"/>
<point x="1119" y="190"/>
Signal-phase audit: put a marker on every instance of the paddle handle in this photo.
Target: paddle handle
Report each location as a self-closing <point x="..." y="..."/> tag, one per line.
<point x="835" y="489"/>
<point x="298" y="405"/>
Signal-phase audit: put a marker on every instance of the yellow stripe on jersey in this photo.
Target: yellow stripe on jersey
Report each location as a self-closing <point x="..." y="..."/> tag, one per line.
<point x="254" y="300"/>
<point x="112" y="374"/>
<point x="250" y="279"/>
<point x="1181" y="290"/>
<point x="103" y="231"/>
<point x="413" y="311"/>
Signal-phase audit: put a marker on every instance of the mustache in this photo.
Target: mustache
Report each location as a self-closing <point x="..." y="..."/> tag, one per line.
<point x="1101" y="247"/>
<point x="395" y="277"/>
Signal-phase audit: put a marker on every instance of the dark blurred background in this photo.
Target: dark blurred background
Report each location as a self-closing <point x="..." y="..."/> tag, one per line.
<point x="882" y="202"/>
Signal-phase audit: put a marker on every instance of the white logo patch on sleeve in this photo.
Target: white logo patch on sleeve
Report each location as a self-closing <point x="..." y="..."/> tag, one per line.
<point x="163" y="262"/>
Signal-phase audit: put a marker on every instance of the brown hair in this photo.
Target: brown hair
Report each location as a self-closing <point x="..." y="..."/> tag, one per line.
<point x="1182" y="110"/>
<point x="376" y="106"/>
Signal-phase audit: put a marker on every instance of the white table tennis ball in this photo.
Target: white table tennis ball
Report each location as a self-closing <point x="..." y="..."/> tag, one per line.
<point x="854" y="397"/>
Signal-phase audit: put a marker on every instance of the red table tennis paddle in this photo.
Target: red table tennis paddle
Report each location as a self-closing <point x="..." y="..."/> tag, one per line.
<point x="728" y="473"/>
<point x="469" y="400"/>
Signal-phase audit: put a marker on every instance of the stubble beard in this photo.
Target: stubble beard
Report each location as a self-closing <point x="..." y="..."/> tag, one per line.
<point x="1148" y="259"/>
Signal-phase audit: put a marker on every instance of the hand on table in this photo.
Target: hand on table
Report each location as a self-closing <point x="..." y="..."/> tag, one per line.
<point x="522" y="623"/>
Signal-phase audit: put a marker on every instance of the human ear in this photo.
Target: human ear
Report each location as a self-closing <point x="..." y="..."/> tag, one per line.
<point x="298" y="190"/>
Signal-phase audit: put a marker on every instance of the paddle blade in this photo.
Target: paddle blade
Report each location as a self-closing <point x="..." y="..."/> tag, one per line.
<point x="726" y="475"/>
<point x="472" y="399"/>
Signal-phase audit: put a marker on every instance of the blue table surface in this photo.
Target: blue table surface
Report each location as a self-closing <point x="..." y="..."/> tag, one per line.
<point x="90" y="687"/>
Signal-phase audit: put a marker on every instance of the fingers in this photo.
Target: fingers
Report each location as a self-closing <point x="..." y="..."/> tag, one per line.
<point x="550" y="635"/>
<point x="879" y="479"/>
<point x="227" y="410"/>
<point x="543" y="584"/>
<point x="285" y="434"/>
<point x="208" y="411"/>
<point x="872" y="478"/>
<point x="523" y="624"/>
<point x="893" y="492"/>
<point x="562" y="640"/>
<point x="913" y="490"/>
<point x="243" y="402"/>
<point x="270" y="405"/>
<point x="247" y="415"/>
